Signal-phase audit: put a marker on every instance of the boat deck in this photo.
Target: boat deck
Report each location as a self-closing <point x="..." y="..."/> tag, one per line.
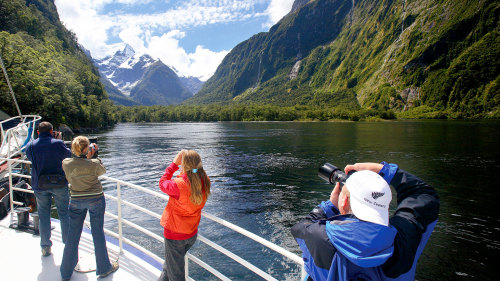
<point x="21" y="257"/>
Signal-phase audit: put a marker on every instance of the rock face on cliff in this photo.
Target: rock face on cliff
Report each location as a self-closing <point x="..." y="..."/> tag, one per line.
<point x="373" y="54"/>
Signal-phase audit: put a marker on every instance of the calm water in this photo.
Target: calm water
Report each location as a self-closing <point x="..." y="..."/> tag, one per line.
<point x="265" y="180"/>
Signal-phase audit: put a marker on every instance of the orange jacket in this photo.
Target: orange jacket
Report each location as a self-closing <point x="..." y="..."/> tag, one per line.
<point x="181" y="217"/>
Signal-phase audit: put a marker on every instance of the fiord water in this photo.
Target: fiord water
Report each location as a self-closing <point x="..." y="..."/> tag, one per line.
<point x="265" y="179"/>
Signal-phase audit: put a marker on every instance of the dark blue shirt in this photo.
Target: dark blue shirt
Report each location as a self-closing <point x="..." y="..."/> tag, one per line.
<point x="46" y="155"/>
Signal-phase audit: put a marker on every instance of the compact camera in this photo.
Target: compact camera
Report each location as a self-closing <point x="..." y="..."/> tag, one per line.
<point x="93" y="148"/>
<point x="332" y="174"/>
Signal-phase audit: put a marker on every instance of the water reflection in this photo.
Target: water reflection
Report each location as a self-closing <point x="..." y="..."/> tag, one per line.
<point x="264" y="178"/>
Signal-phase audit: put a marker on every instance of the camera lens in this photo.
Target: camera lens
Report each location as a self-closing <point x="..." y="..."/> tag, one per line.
<point x="327" y="171"/>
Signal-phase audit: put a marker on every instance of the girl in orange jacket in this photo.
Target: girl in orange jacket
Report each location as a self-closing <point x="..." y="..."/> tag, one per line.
<point x="181" y="217"/>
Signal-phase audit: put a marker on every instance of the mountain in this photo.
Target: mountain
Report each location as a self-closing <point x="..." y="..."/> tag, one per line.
<point x="49" y="72"/>
<point x="159" y="86"/>
<point x="115" y="95"/>
<point x="109" y="64"/>
<point x="432" y="55"/>
<point x="191" y="83"/>
<point x="140" y="79"/>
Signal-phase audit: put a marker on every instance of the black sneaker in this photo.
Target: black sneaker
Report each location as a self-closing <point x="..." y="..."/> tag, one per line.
<point x="46" y="251"/>
<point x="114" y="267"/>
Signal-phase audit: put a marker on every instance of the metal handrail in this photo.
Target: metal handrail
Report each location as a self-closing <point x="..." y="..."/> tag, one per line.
<point x="8" y="134"/>
<point x="225" y="223"/>
<point x="296" y="259"/>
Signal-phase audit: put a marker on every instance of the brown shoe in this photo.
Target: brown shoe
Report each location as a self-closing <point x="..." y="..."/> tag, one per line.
<point x="46" y="251"/>
<point x="114" y="267"/>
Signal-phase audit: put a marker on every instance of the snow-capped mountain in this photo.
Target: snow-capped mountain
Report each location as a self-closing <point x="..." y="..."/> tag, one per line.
<point x="129" y="72"/>
<point x="109" y="64"/>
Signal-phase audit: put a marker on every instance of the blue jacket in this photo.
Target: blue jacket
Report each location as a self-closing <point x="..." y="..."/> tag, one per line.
<point x="342" y="247"/>
<point x="46" y="155"/>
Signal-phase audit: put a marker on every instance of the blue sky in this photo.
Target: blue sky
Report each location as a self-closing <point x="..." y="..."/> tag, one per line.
<point x="193" y="36"/>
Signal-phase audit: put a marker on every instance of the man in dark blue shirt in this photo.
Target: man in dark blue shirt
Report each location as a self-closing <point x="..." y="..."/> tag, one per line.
<point x="46" y="154"/>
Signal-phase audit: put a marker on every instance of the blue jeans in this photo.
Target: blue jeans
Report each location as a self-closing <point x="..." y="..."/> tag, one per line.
<point x="44" y="202"/>
<point x="77" y="213"/>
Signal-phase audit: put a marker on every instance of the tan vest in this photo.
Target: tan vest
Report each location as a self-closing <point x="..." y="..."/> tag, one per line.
<point x="82" y="174"/>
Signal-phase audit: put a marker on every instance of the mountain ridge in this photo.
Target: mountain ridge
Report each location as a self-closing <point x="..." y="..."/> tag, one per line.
<point x="381" y="55"/>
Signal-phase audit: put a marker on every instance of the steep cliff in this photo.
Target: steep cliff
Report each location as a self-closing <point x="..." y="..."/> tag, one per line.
<point x="396" y="55"/>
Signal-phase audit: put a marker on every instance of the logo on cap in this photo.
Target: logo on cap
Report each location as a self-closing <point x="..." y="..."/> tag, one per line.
<point x="376" y="195"/>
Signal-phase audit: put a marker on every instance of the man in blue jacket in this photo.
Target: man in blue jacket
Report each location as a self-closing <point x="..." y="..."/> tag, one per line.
<point x="350" y="237"/>
<point x="46" y="154"/>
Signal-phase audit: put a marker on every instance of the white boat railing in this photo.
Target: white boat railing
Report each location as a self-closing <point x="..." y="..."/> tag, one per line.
<point x="121" y="239"/>
<point x="11" y="143"/>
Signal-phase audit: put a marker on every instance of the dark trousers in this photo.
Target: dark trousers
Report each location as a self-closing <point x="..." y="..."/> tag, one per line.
<point x="173" y="267"/>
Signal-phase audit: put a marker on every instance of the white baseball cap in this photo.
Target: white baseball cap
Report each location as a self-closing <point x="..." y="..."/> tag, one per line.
<point x="370" y="197"/>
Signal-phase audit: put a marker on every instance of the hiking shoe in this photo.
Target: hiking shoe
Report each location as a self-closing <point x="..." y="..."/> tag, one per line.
<point x="114" y="267"/>
<point x="46" y="251"/>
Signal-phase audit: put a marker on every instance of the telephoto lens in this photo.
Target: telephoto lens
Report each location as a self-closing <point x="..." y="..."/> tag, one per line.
<point x="332" y="174"/>
<point x="329" y="173"/>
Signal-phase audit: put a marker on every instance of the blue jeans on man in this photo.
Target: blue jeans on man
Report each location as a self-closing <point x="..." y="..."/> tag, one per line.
<point x="77" y="213"/>
<point x="44" y="204"/>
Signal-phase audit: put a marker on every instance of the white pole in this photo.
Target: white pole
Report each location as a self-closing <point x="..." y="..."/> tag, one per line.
<point x="186" y="267"/>
<point x="119" y="202"/>
<point x="9" y="164"/>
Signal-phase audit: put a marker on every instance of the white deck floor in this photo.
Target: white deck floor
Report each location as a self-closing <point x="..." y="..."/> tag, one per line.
<point x="21" y="258"/>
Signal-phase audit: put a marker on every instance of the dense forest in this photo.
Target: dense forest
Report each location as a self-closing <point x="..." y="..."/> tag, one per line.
<point x="50" y="74"/>
<point x="245" y="112"/>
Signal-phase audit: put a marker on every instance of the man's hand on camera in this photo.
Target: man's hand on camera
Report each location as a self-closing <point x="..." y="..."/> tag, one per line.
<point x="56" y="135"/>
<point x="334" y="196"/>
<point x="374" y="167"/>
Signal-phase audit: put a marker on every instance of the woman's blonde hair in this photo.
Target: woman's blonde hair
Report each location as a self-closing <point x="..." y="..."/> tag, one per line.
<point x="192" y="160"/>
<point x="79" y="145"/>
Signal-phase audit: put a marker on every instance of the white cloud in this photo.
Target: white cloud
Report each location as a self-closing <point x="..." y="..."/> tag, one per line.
<point x="134" y="36"/>
<point x="277" y="9"/>
<point x="100" y="33"/>
<point x="201" y="63"/>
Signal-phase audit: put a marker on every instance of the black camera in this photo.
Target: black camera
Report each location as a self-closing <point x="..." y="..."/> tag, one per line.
<point x="332" y="174"/>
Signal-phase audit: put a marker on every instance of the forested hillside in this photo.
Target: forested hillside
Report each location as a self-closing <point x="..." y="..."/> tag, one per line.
<point x="425" y="58"/>
<point x="50" y="74"/>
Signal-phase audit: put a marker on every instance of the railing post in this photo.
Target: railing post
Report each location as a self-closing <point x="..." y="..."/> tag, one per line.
<point x="11" y="191"/>
<point x="119" y="202"/>
<point x="303" y="273"/>
<point x="186" y="267"/>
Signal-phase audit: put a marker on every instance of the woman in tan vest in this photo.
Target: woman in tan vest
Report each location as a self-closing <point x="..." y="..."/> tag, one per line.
<point x="181" y="217"/>
<point x="86" y="192"/>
